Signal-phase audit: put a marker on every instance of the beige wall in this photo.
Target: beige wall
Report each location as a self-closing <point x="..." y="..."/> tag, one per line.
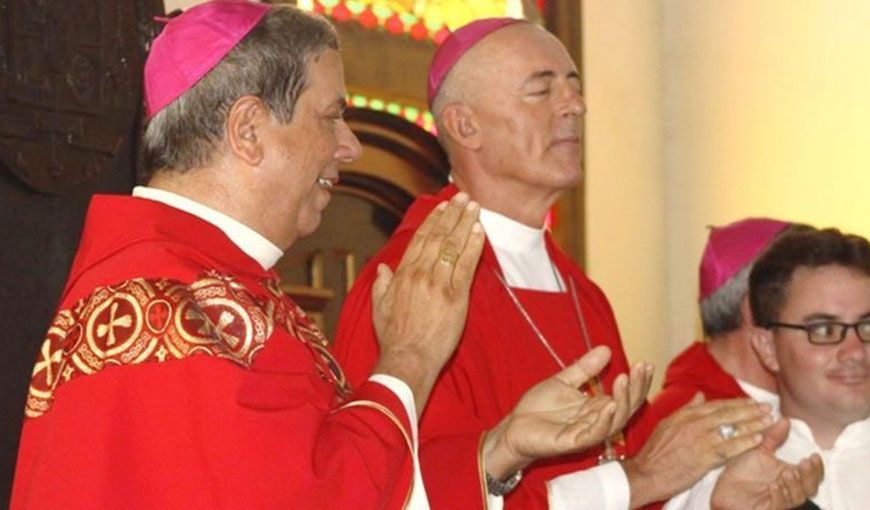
<point x="624" y="172"/>
<point x="759" y="108"/>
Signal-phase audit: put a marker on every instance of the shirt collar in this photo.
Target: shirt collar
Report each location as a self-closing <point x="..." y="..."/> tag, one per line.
<point x="510" y="235"/>
<point x="247" y="239"/>
<point x="761" y="395"/>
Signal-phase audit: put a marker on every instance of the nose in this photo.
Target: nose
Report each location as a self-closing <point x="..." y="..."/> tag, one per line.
<point x="572" y="101"/>
<point x="576" y="105"/>
<point x="852" y="348"/>
<point x="349" y="148"/>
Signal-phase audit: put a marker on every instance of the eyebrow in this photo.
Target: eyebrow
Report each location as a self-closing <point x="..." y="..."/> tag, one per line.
<point x="820" y="316"/>
<point x="549" y="74"/>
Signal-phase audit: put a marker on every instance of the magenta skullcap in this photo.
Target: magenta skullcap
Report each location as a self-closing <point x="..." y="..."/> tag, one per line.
<point x="191" y="44"/>
<point x="456" y="45"/>
<point x="732" y="247"/>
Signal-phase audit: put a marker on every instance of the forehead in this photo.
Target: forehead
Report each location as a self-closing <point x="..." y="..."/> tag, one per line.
<point x="325" y="74"/>
<point x="833" y="289"/>
<point x="519" y="50"/>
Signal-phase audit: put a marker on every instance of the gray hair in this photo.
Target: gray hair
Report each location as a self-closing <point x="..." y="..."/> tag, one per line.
<point x="270" y="63"/>
<point x="720" y="311"/>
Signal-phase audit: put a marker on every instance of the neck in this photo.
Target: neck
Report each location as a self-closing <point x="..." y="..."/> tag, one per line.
<point x="734" y="353"/>
<point x="212" y="188"/>
<point x="825" y="429"/>
<point x="502" y="197"/>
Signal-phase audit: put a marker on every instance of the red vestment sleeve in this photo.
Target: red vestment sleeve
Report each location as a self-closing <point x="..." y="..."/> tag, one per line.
<point x="204" y="432"/>
<point x="455" y="452"/>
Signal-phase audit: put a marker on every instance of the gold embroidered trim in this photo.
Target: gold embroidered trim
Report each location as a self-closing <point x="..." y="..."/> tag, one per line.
<point x="139" y="321"/>
<point x="481" y="472"/>
<point x="398" y="423"/>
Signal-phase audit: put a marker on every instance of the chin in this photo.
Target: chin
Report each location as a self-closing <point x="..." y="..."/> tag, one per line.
<point x="308" y="225"/>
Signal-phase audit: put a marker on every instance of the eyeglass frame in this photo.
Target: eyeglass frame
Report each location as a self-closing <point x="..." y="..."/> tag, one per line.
<point x="846" y="326"/>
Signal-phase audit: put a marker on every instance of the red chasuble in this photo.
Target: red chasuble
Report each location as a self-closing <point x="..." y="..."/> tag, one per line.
<point x="176" y="374"/>
<point x="499" y="357"/>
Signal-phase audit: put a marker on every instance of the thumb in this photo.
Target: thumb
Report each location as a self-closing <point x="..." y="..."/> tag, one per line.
<point x="776" y="435"/>
<point x="585" y="368"/>
<point x="385" y="276"/>
<point x="697" y="399"/>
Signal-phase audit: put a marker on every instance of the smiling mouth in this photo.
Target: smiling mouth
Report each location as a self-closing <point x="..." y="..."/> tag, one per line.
<point x="849" y="378"/>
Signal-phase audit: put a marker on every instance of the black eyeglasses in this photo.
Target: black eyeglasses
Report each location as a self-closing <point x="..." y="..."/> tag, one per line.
<point x="828" y="332"/>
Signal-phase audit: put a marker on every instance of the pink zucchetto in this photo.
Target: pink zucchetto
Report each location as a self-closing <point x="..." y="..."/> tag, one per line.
<point x="730" y="248"/>
<point x="191" y="44"/>
<point x="456" y="45"/>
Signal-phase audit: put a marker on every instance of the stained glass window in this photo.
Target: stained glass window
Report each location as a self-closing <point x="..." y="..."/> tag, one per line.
<point x="422" y="118"/>
<point x="419" y="19"/>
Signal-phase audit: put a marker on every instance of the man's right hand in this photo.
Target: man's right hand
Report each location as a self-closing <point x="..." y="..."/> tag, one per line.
<point x="555" y="417"/>
<point x="687" y="445"/>
<point x="419" y="312"/>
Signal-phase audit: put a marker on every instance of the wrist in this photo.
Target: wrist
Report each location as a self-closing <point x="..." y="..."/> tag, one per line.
<point x="640" y="482"/>
<point x="499" y="459"/>
<point x="412" y="369"/>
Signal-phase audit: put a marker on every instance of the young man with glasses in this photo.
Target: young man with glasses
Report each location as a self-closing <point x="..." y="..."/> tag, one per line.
<point x="810" y="297"/>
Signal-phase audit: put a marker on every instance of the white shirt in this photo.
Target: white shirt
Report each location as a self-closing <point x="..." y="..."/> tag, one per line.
<point x="522" y="254"/>
<point x="845" y="484"/>
<point x="760" y="395"/>
<point x="267" y="254"/>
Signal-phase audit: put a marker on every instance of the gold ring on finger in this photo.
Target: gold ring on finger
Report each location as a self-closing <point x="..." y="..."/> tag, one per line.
<point x="448" y="255"/>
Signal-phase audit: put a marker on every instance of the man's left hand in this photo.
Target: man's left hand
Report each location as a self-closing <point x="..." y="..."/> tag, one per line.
<point x="757" y="480"/>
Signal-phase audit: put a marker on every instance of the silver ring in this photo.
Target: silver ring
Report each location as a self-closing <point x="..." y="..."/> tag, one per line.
<point x="727" y="431"/>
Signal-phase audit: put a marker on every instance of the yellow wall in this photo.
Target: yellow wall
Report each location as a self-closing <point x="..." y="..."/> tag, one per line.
<point x="763" y="111"/>
<point x="766" y="113"/>
<point x="623" y="160"/>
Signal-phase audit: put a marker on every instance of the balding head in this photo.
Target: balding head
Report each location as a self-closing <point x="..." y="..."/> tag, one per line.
<point x="509" y="114"/>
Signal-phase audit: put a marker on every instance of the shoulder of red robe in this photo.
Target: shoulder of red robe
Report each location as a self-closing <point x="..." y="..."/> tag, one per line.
<point x="153" y="321"/>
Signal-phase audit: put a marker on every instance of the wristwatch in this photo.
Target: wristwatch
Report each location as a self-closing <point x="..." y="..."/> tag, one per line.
<point x="502" y="487"/>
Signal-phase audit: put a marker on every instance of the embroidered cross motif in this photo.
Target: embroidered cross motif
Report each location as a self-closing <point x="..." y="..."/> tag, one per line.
<point x="124" y="321"/>
<point x="48" y="358"/>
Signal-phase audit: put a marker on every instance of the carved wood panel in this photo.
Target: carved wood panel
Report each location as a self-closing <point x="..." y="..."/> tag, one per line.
<point x="70" y="75"/>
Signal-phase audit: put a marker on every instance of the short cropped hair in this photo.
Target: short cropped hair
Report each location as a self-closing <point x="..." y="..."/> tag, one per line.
<point x="270" y="63"/>
<point x="720" y="311"/>
<point x="800" y="247"/>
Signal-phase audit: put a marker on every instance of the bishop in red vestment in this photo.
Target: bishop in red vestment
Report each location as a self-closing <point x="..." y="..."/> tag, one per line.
<point x="176" y="373"/>
<point x="180" y="377"/>
<point x="506" y="98"/>
<point x="728" y="257"/>
<point x="498" y="359"/>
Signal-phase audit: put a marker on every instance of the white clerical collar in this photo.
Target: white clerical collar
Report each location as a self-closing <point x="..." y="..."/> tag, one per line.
<point x="521" y="252"/>
<point x="510" y="235"/>
<point x="247" y="239"/>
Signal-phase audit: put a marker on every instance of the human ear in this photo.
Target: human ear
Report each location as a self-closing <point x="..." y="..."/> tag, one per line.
<point x="762" y="342"/>
<point x="243" y="129"/>
<point x="461" y="125"/>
